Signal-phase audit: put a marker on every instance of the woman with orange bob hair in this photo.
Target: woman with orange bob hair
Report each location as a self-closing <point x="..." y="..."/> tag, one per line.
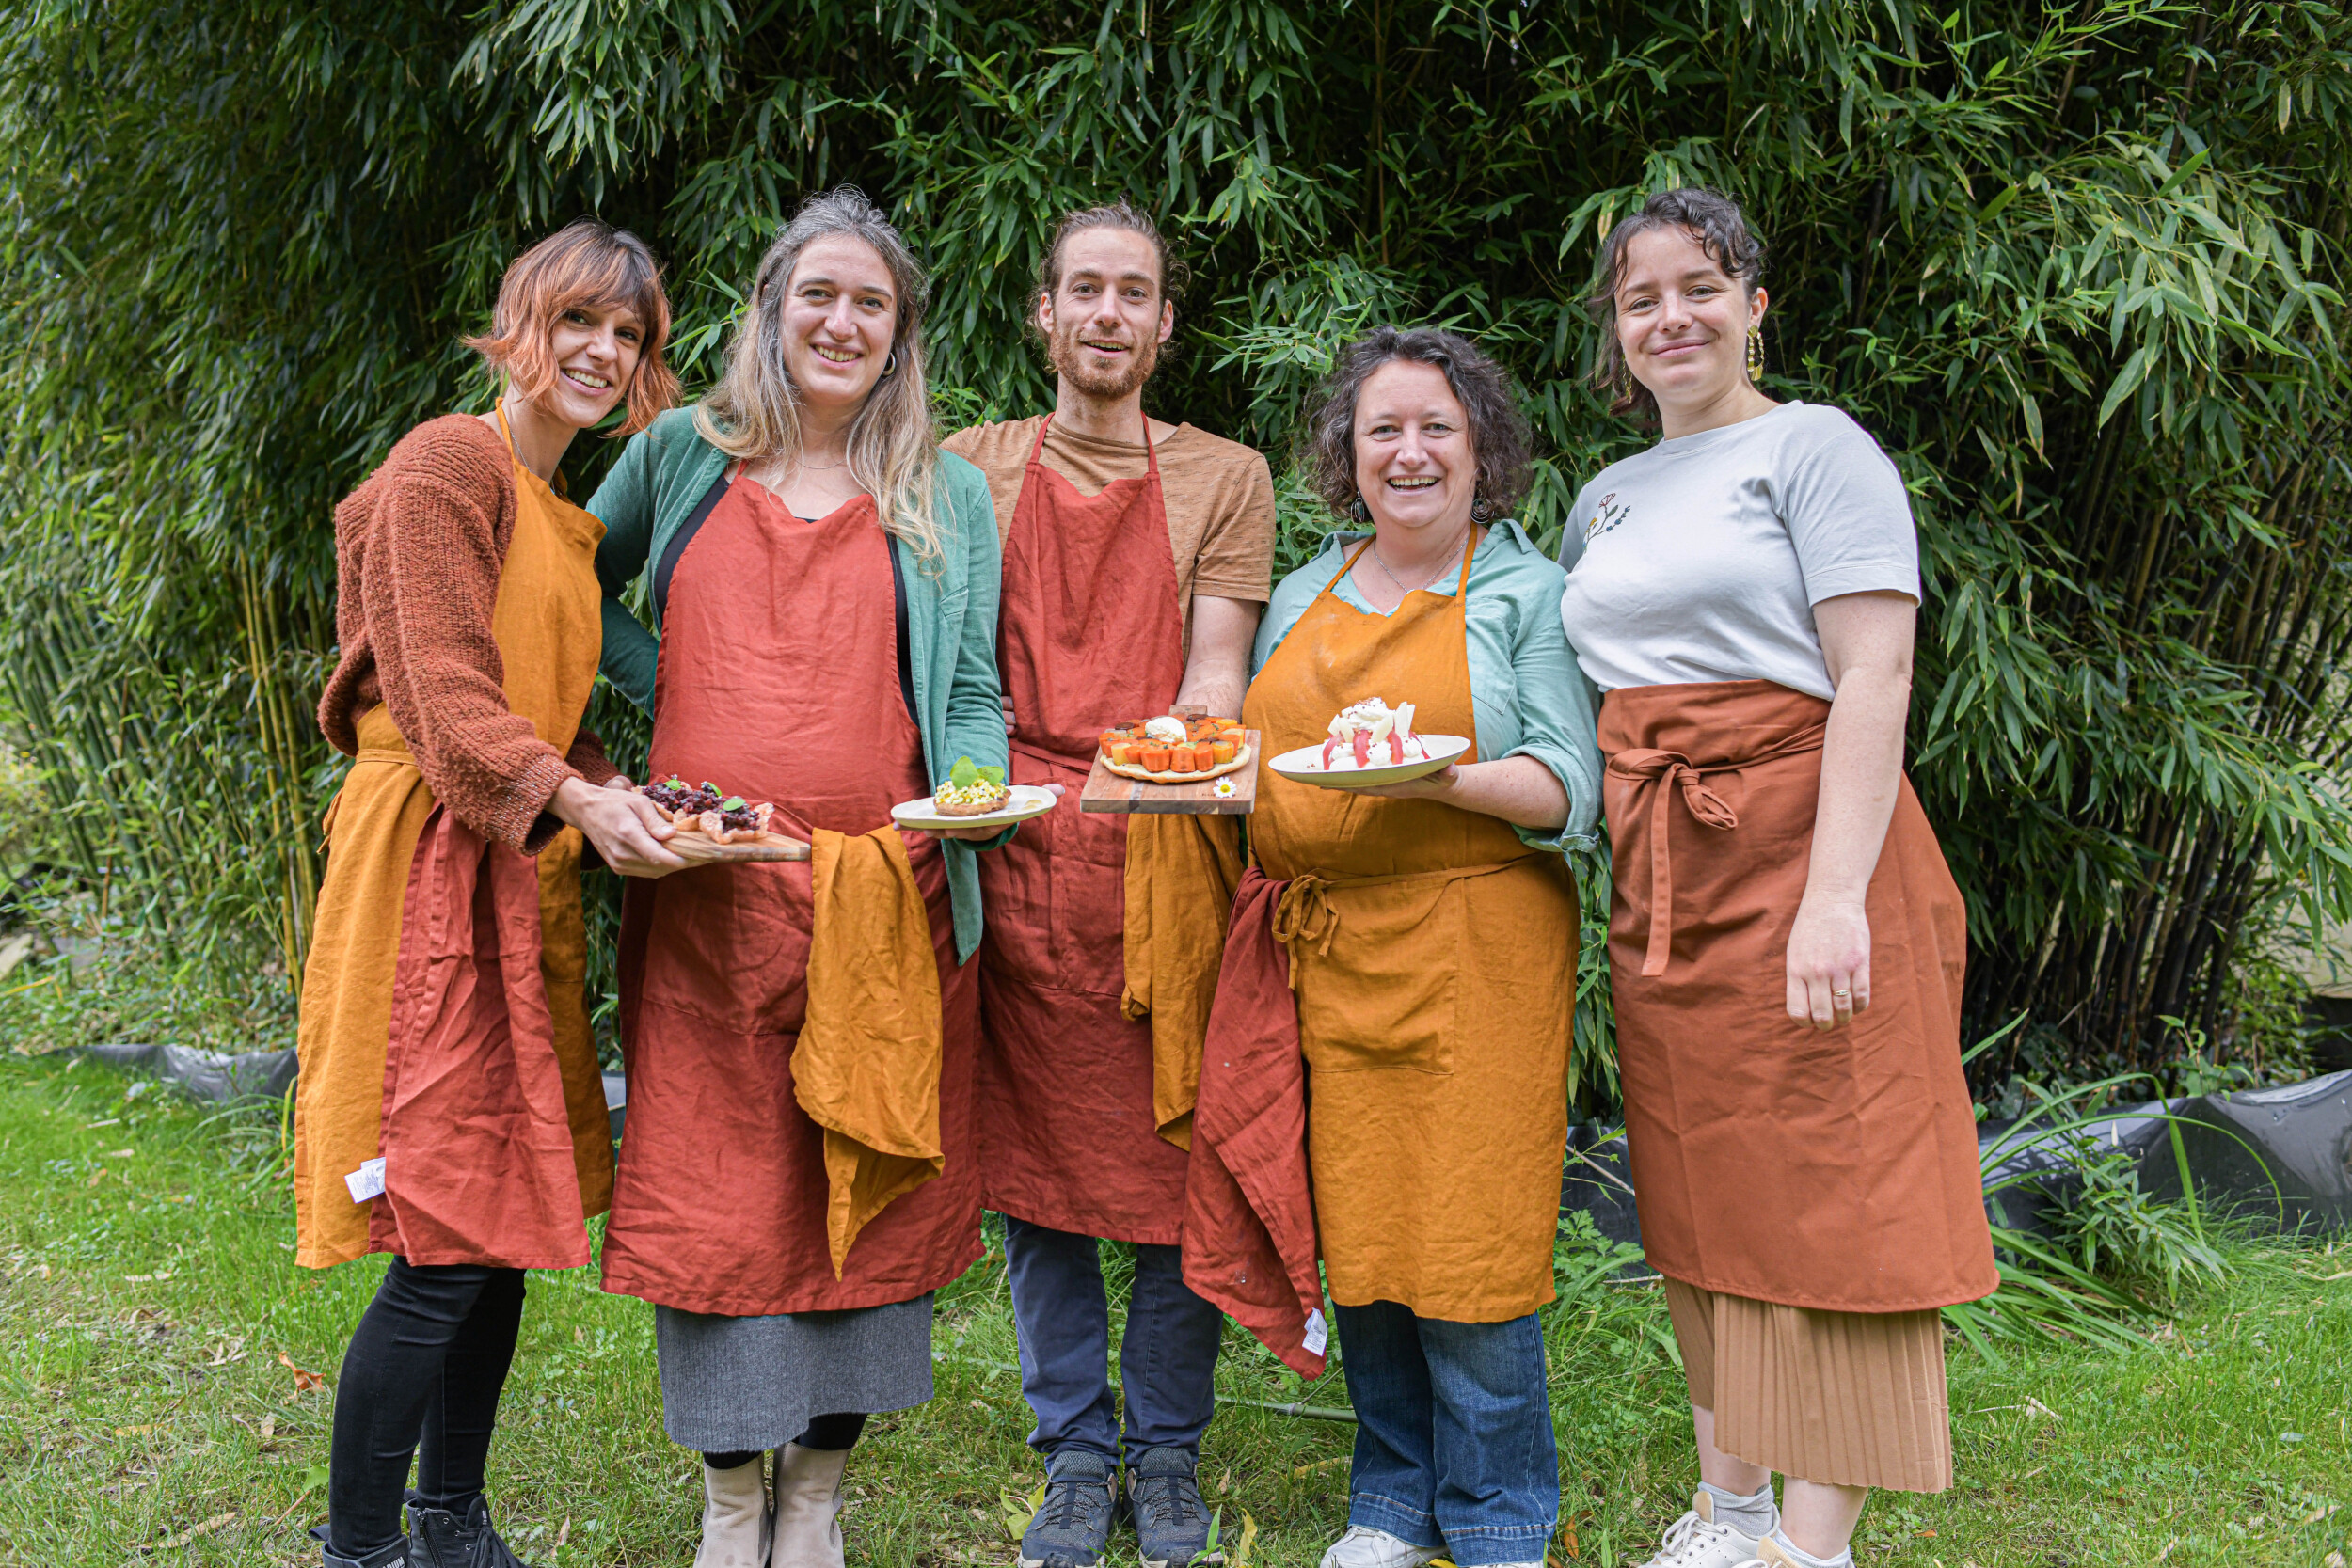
<point x="449" y="1110"/>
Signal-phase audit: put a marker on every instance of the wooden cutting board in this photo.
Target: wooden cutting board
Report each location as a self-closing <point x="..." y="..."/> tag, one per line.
<point x="1114" y="792"/>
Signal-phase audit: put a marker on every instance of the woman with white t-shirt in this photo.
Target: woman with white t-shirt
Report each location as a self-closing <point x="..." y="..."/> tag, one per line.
<point x="1786" y="943"/>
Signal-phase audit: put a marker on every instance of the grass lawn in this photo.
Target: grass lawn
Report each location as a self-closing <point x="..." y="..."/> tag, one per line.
<point x="167" y="1377"/>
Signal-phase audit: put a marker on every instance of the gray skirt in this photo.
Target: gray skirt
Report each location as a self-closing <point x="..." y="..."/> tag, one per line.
<point x="734" y="1385"/>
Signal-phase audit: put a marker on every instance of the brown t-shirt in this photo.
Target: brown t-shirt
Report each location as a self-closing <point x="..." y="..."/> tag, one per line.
<point x="1218" y="492"/>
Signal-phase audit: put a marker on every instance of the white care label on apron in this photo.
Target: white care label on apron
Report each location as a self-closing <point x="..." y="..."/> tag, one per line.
<point x="368" y="1181"/>
<point x="1314" y="1338"/>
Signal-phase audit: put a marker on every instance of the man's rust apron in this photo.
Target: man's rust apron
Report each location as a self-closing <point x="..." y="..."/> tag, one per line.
<point x="778" y="679"/>
<point x="1434" y="964"/>
<point x="444" y="1021"/>
<point x="1833" y="1169"/>
<point x="1090" y="635"/>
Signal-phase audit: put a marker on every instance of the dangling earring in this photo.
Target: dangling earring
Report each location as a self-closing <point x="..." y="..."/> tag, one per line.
<point x="1621" y="390"/>
<point x="1362" y="513"/>
<point x="1482" y="510"/>
<point x="1755" y="354"/>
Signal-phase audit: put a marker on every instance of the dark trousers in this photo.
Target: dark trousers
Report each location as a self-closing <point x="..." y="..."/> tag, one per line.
<point x="1167" y="1362"/>
<point x="420" y="1381"/>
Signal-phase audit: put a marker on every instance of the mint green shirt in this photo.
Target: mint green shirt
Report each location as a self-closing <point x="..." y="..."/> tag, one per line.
<point x="951" y="610"/>
<point x="1527" y="692"/>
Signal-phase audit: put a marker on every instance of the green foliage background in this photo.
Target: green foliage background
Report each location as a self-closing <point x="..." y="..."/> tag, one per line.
<point x="2076" y="263"/>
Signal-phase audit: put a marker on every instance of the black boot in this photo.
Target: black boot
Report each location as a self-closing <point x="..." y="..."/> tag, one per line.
<point x="439" y="1538"/>
<point x="393" y="1556"/>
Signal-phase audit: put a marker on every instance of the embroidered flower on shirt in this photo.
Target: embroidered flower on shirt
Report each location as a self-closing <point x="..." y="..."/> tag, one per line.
<point x="1609" y="517"/>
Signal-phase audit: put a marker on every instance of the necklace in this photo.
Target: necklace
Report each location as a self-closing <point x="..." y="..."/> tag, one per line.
<point x="1374" y="551"/>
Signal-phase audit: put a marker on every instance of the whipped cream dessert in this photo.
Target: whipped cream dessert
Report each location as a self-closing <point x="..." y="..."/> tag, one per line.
<point x="1370" y="734"/>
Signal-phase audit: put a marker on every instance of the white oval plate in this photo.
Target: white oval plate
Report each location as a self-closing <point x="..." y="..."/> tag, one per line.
<point x="1028" y="800"/>
<point x="1305" y="765"/>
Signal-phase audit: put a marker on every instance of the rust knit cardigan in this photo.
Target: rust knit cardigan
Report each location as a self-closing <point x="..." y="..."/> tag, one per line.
<point x="417" y="551"/>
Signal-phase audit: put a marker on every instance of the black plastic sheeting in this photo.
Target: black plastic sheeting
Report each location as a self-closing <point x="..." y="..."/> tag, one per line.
<point x="2279" y="1158"/>
<point x="206" y="1074"/>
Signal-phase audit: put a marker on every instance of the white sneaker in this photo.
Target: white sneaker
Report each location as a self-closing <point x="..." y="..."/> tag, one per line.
<point x="1364" y="1547"/>
<point x="1696" y="1541"/>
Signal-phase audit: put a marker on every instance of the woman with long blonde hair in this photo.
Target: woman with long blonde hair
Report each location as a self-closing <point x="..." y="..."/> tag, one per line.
<point x="796" y="1174"/>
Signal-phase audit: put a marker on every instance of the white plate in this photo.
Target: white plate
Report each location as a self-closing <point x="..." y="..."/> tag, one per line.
<point x="1305" y="765"/>
<point x="1028" y="800"/>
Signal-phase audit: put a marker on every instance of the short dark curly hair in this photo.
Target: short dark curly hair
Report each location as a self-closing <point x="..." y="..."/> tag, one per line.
<point x="1498" y="430"/>
<point x="1711" y="218"/>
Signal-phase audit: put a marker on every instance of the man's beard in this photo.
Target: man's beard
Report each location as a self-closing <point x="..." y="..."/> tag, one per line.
<point x="1096" y="381"/>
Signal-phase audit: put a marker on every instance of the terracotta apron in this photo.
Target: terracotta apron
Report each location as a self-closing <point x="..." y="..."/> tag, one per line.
<point x="1831" y="1169"/>
<point x="778" y="679"/>
<point x="1434" y="964"/>
<point x="481" y="1090"/>
<point x="1090" y="634"/>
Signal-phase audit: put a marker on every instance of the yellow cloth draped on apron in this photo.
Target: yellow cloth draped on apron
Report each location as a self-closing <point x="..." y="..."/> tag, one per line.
<point x="547" y="627"/>
<point x="1433" y="957"/>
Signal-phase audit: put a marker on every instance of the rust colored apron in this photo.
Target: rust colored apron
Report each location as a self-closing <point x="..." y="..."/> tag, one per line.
<point x="444" y="1019"/>
<point x="777" y="679"/>
<point x="1832" y="1169"/>
<point x="1090" y="634"/>
<point x="1434" y="960"/>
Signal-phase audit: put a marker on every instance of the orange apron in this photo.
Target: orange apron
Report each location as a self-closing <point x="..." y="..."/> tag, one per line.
<point x="1832" y="1169"/>
<point x="480" y="1090"/>
<point x="1090" y="634"/>
<point x="1434" y="959"/>
<point x="777" y="679"/>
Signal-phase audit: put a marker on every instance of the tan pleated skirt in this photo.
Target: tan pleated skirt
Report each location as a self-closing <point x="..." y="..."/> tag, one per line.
<point x="1852" y="1399"/>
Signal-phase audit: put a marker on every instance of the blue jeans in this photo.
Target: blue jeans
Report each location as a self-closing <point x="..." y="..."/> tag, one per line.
<point x="1453" y="1444"/>
<point x="1167" y="1363"/>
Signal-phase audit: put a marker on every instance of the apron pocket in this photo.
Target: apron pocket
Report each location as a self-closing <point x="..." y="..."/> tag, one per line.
<point x="729" y="945"/>
<point x="1386" y="994"/>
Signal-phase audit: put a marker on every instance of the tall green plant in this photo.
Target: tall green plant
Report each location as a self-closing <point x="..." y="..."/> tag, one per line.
<point x="2076" y="266"/>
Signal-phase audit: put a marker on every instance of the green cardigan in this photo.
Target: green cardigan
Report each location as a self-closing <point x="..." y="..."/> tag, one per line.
<point x="951" y="608"/>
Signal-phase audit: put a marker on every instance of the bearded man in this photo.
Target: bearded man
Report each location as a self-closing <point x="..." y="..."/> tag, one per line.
<point x="1137" y="557"/>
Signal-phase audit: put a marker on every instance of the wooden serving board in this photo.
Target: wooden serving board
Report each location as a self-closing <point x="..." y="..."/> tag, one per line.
<point x="1107" y="791"/>
<point x="696" y="849"/>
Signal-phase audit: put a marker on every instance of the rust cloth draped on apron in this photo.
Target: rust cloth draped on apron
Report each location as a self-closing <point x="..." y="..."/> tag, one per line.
<point x="1814" y="1194"/>
<point x="1073" y="1103"/>
<point x="1433" y="965"/>
<point x="778" y="680"/>
<point x="480" y="1089"/>
<point x="1249" y="1215"/>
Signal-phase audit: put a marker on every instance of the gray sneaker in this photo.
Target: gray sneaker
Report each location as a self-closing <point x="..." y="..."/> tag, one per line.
<point x="1171" y="1521"/>
<point x="1073" y="1523"/>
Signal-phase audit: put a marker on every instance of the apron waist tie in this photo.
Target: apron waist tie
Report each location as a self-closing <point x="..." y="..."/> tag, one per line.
<point x="1666" y="769"/>
<point x="1303" y="916"/>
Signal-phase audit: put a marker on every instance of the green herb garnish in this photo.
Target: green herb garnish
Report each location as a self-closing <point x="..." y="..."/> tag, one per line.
<point x="966" y="773"/>
<point x="733" y="802"/>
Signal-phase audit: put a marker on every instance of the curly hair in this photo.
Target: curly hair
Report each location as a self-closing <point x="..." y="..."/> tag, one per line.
<point x="1721" y="228"/>
<point x="1498" y="430"/>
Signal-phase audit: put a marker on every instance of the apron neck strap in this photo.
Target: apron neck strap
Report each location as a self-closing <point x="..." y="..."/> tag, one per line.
<point x="1151" y="453"/>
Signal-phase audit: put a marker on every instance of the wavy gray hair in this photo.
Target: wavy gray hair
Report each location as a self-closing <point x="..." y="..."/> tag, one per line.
<point x="755" y="411"/>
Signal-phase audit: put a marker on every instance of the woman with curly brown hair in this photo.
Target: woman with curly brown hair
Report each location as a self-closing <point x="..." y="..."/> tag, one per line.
<point x="465" y="1131"/>
<point x="1785" y="943"/>
<point x="1431" y="928"/>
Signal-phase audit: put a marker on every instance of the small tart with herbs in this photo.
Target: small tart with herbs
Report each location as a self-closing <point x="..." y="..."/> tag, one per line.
<point x="971" y="790"/>
<point x="1170" y="750"/>
<point x="703" y="809"/>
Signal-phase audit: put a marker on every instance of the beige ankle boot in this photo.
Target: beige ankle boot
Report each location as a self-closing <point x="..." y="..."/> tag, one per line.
<point x="735" y="1517"/>
<point x="808" y="1507"/>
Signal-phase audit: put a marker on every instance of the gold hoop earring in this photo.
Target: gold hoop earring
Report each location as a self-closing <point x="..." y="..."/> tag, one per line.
<point x="1755" y="355"/>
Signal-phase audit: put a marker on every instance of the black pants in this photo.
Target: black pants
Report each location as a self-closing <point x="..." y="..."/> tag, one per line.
<point x="421" y="1380"/>
<point x="834" y="1432"/>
